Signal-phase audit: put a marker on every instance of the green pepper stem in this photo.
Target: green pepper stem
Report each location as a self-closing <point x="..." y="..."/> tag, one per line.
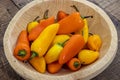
<point x="34" y="54"/>
<point x="76" y="64"/>
<point x="83" y="17"/>
<point x="45" y="16"/>
<point x="22" y="53"/>
<point x="63" y="44"/>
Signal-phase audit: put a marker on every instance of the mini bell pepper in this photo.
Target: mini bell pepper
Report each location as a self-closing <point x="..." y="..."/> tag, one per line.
<point x="39" y="64"/>
<point x="94" y="42"/>
<point x="88" y="56"/>
<point x="32" y="24"/>
<point x="54" y="52"/>
<point x="35" y="22"/>
<point x="60" y="39"/>
<point x="22" y="48"/>
<point x="71" y="23"/>
<point x="74" y="64"/>
<point x="54" y="67"/>
<point x="71" y="49"/>
<point x="35" y="32"/>
<point x="42" y="43"/>
<point x="61" y="15"/>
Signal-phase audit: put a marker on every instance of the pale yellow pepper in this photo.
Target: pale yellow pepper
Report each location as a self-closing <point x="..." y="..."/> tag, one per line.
<point x="94" y="42"/>
<point x="35" y="22"/>
<point x="53" y="53"/>
<point x="84" y="32"/>
<point x="58" y="43"/>
<point x="42" y="43"/>
<point x="60" y="39"/>
<point x="88" y="56"/>
<point x="32" y="25"/>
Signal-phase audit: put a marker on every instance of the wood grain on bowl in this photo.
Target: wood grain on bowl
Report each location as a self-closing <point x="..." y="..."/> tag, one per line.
<point x="99" y="24"/>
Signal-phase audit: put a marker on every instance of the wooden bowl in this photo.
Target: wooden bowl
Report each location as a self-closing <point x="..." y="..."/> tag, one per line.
<point x="99" y="24"/>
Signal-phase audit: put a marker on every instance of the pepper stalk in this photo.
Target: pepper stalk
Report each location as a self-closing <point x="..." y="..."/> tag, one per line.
<point x="83" y="17"/>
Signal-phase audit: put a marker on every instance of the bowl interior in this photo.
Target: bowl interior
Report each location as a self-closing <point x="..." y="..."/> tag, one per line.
<point x="97" y="25"/>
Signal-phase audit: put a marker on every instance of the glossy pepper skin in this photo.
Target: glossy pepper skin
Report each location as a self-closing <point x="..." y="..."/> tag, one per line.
<point x="88" y="56"/>
<point x="53" y="53"/>
<point x="22" y="48"/>
<point x="74" y="64"/>
<point x="35" y="32"/>
<point x="54" y="67"/>
<point x="85" y="30"/>
<point x="60" y="39"/>
<point x="71" y="49"/>
<point x="39" y="64"/>
<point x="32" y="25"/>
<point x="71" y="23"/>
<point x="94" y="42"/>
<point x="61" y="15"/>
<point x="42" y="43"/>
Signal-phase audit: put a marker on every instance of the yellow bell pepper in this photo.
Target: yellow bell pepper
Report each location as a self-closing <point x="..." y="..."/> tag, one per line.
<point x="35" y="22"/>
<point x="60" y="39"/>
<point x="39" y="64"/>
<point x="88" y="56"/>
<point x="94" y="42"/>
<point x="42" y="43"/>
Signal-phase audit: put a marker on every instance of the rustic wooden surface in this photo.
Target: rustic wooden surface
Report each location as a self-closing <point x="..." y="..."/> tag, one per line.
<point x="8" y="9"/>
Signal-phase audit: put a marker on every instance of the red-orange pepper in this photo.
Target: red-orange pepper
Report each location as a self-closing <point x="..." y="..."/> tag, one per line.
<point x="22" y="48"/>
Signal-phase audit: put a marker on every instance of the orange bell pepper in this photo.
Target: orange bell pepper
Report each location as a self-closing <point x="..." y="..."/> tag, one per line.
<point x="71" y="23"/>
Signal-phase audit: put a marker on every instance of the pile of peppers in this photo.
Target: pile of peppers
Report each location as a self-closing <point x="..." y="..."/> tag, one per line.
<point x="49" y="43"/>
